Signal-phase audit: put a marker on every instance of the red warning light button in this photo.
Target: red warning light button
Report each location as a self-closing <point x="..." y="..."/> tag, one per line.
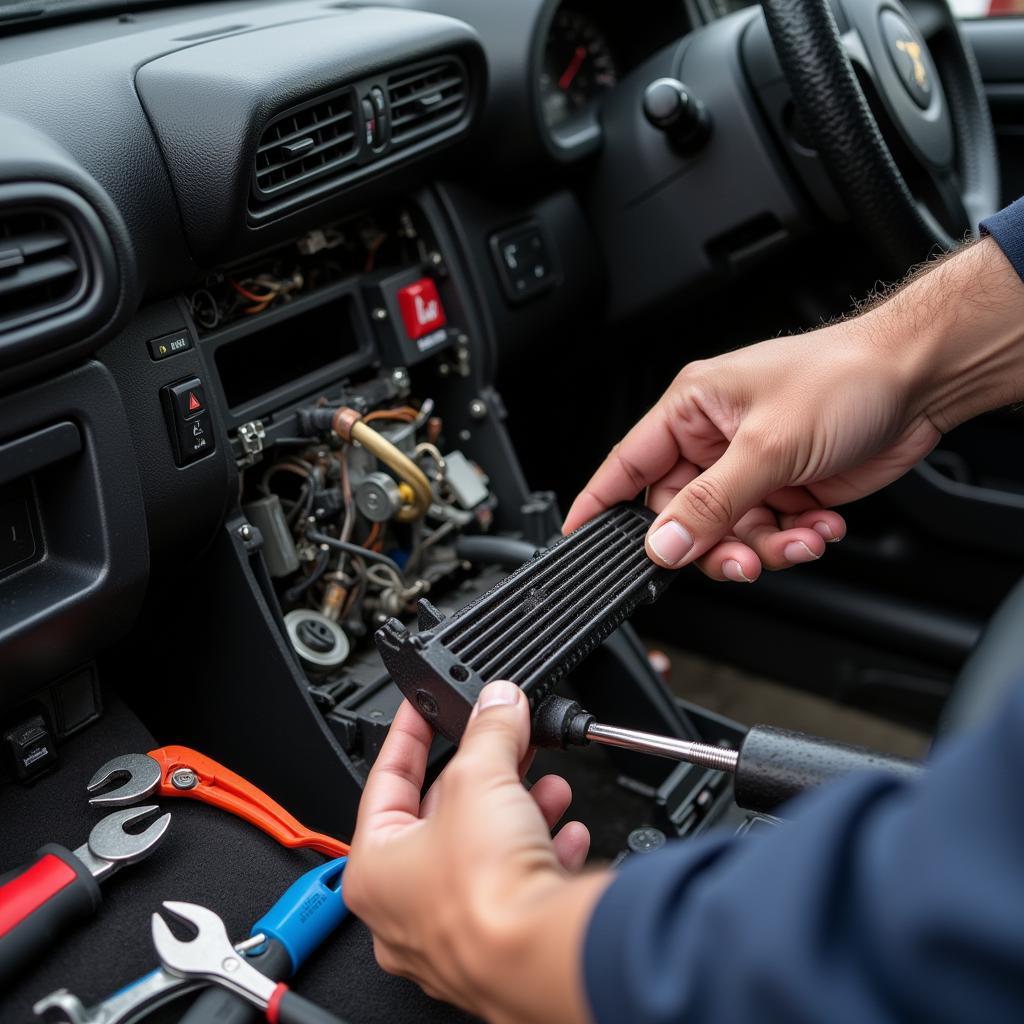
<point x="189" y="398"/>
<point x="421" y="308"/>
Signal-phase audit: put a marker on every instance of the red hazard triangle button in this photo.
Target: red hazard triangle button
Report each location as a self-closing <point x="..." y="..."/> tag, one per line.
<point x="193" y="403"/>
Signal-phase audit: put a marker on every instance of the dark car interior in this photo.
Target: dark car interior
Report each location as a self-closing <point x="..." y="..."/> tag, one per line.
<point x="314" y="309"/>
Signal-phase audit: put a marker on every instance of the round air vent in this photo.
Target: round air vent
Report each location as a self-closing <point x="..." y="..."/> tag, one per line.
<point x="58" y="279"/>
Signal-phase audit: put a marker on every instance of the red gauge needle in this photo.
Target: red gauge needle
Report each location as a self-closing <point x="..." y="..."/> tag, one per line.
<point x="574" y="66"/>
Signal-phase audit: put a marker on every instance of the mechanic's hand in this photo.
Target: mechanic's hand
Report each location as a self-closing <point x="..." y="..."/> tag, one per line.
<point x="744" y="453"/>
<point x="465" y="890"/>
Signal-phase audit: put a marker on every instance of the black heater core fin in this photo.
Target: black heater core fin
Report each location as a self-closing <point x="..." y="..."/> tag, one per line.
<point x="534" y="627"/>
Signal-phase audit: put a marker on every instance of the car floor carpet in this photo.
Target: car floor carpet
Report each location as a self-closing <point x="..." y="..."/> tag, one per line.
<point x="206" y="857"/>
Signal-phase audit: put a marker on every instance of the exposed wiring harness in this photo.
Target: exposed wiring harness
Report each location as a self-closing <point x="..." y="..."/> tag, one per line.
<point x="354" y="549"/>
<point x="355" y="583"/>
<point x="264" y="289"/>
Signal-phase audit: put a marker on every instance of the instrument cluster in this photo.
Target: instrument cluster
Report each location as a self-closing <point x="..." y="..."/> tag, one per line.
<point x="578" y="66"/>
<point x="586" y="48"/>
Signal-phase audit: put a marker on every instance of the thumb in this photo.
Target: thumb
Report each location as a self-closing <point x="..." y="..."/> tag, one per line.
<point x="708" y="507"/>
<point x="498" y="731"/>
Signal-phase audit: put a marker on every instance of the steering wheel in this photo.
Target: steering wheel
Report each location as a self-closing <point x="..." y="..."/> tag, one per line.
<point x="896" y="109"/>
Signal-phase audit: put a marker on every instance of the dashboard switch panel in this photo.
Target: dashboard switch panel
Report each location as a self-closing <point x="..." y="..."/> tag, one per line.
<point x="189" y="420"/>
<point x="412" y="323"/>
<point x="524" y="261"/>
<point x="31" y="748"/>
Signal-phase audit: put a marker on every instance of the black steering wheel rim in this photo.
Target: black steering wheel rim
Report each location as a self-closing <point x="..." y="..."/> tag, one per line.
<point x="893" y="214"/>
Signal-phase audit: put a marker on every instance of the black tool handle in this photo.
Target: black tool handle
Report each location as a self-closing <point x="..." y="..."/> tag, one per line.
<point x="219" y="1005"/>
<point x="776" y="765"/>
<point x="287" y="1007"/>
<point x="40" y="900"/>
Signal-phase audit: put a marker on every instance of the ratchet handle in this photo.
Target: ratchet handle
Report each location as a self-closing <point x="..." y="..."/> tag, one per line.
<point x="287" y="1007"/>
<point x="38" y="902"/>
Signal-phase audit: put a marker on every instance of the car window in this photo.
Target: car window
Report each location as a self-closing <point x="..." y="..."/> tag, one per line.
<point x="986" y="8"/>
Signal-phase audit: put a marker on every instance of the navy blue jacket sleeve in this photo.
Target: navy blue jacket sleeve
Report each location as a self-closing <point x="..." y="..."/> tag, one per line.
<point x="1007" y="228"/>
<point x="880" y="901"/>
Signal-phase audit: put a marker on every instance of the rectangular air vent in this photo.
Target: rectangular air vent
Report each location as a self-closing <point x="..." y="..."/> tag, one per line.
<point x="426" y="99"/>
<point x="305" y="144"/>
<point x="40" y="264"/>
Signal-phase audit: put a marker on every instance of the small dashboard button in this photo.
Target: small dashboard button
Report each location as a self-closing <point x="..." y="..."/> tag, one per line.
<point x="195" y="437"/>
<point x="523" y="262"/>
<point x="370" y="123"/>
<point x="421" y="308"/>
<point x="169" y="345"/>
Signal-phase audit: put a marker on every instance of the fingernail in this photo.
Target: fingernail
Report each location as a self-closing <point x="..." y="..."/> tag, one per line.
<point x="497" y="694"/>
<point x="798" y="551"/>
<point x="824" y="530"/>
<point x="732" y="570"/>
<point x="670" y="542"/>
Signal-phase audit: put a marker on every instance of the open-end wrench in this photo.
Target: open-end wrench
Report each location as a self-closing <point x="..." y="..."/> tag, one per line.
<point x="60" y="887"/>
<point x="181" y="771"/>
<point x="305" y="914"/>
<point x="130" y="1003"/>
<point x="211" y="957"/>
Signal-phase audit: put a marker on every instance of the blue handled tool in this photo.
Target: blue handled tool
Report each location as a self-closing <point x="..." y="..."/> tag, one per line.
<point x="304" y="915"/>
<point x="308" y="911"/>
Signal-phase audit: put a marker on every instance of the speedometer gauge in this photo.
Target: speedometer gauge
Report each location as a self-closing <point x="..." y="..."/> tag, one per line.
<point x="578" y="66"/>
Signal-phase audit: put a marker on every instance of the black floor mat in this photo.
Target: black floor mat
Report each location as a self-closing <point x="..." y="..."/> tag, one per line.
<point x="207" y="857"/>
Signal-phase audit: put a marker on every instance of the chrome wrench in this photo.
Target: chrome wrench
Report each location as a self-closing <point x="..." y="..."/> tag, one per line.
<point x="129" y="1003"/>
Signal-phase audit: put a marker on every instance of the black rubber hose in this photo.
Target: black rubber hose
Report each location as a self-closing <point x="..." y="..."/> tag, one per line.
<point x="314" y="537"/>
<point x="294" y="593"/>
<point x="509" y="552"/>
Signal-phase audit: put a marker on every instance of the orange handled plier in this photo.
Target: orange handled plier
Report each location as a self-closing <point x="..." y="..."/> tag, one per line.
<point x="180" y="771"/>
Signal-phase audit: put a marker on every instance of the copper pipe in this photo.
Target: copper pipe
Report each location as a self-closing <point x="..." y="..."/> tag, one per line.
<point x="349" y="426"/>
<point x="334" y="600"/>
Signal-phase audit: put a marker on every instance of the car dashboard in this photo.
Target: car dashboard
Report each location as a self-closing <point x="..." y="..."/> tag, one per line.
<point x="259" y="267"/>
<point x="218" y="222"/>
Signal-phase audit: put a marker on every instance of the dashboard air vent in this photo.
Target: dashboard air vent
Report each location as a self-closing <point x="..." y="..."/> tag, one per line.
<point x="42" y="265"/>
<point x="426" y="99"/>
<point x="306" y="143"/>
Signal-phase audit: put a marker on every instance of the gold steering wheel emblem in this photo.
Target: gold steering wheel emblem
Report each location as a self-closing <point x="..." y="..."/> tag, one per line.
<point x="913" y="51"/>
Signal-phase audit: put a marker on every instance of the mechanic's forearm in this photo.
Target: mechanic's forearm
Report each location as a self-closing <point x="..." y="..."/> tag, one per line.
<point x="529" y="968"/>
<point x="957" y="331"/>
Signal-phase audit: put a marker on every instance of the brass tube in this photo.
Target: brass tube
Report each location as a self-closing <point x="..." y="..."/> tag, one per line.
<point x="349" y="427"/>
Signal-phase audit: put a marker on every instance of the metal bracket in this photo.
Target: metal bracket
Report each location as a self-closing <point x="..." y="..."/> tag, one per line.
<point x="251" y="436"/>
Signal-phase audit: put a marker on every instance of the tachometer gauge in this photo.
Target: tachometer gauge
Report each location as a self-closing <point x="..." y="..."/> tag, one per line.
<point x="578" y="66"/>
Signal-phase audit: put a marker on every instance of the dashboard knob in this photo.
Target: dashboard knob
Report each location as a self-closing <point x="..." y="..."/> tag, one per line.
<point x="671" y="108"/>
